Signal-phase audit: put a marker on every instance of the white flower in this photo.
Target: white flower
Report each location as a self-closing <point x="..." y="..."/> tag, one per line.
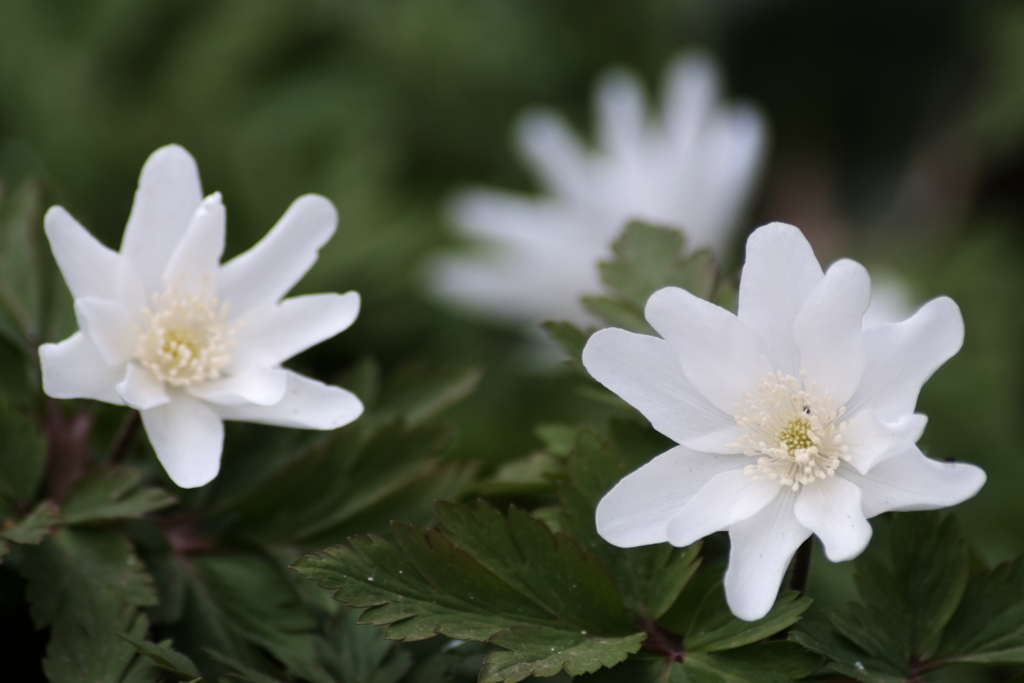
<point x="790" y="418"/>
<point x="692" y="169"/>
<point x="167" y="330"/>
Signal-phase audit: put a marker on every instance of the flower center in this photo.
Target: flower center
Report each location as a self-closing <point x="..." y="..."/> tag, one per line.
<point x="793" y="431"/>
<point x="186" y="339"/>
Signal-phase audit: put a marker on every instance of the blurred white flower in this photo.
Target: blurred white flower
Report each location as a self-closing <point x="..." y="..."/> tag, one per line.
<point x="790" y="418"/>
<point x="169" y="331"/>
<point x="691" y="168"/>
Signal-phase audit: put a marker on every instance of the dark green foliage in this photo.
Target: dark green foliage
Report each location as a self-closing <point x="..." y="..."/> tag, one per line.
<point x="649" y="578"/>
<point x="165" y="657"/>
<point x="920" y="609"/>
<point x="647" y="258"/>
<point x="104" y="495"/>
<point x="87" y="585"/>
<point x="22" y="458"/>
<point x="487" y="577"/>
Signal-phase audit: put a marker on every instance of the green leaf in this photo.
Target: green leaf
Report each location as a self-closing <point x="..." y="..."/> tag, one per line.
<point x="87" y="585"/>
<point x="571" y="339"/>
<point x="649" y="578"/>
<point x="648" y="257"/>
<point x="35" y="526"/>
<point x="357" y="653"/>
<point x="910" y="586"/>
<point x="22" y="456"/>
<point x="484" y="575"/>
<point x="988" y="626"/>
<point x="165" y="657"/>
<point x="618" y="313"/>
<point x="21" y="266"/>
<point x="251" y="598"/>
<point x="419" y="392"/>
<point x="715" y="628"/>
<point x="242" y="672"/>
<point x="534" y="651"/>
<point x="924" y="581"/>
<point x="109" y="494"/>
<point x="771" y="662"/>
<point x="315" y="499"/>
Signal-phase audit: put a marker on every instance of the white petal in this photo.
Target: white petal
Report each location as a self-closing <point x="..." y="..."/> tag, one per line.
<point x="726" y="499"/>
<point x="169" y="193"/>
<point x="637" y="510"/>
<point x="270" y="335"/>
<point x="552" y="149"/>
<point x="691" y="93"/>
<point x="900" y="357"/>
<point x="257" y="385"/>
<point x="716" y="351"/>
<point x="827" y="330"/>
<point x="910" y="481"/>
<point x="110" y="327"/>
<point x="265" y="273"/>
<point x="760" y="550"/>
<point x="619" y="104"/>
<point x="74" y="368"/>
<point x="779" y="274"/>
<point x="141" y="390"/>
<point x="88" y="267"/>
<point x="188" y="438"/>
<point x="871" y="440"/>
<point x="307" y="404"/>
<point x="195" y="261"/>
<point x="831" y="509"/>
<point x="644" y="371"/>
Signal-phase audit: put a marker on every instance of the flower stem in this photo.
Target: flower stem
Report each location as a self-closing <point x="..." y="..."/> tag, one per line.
<point x="801" y="567"/>
<point x="67" y="448"/>
<point x="125" y="436"/>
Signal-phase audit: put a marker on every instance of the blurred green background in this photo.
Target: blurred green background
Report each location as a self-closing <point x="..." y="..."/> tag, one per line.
<point x="897" y="138"/>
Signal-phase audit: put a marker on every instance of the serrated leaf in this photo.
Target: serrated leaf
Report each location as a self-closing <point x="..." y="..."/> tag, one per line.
<point x="108" y="494"/>
<point x="87" y="585"/>
<point x="22" y="456"/>
<point x="618" y="313"/>
<point x="312" y="498"/>
<point x="714" y="627"/>
<point x="21" y="265"/>
<point x="242" y="672"/>
<point x="771" y="662"/>
<point x="648" y="257"/>
<point x="252" y="599"/>
<point x="419" y="392"/>
<point x="923" y="582"/>
<point x="499" y="574"/>
<point x="536" y="651"/>
<point x="570" y="338"/>
<point x="988" y="626"/>
<point x="551" y="569"/>
<point x="165" y="657"/>
<point x="649" y="578"/>
<point x="357" y="653"/>
<point x="35" y="526"/>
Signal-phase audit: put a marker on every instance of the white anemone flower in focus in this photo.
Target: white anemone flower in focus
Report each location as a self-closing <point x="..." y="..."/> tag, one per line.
<point x="791" y="419"/>
<point x="691" y="168"/>
<point x="169" y="331"/>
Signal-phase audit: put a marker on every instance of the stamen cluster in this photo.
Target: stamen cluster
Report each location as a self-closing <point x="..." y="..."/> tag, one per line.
<point x="793" y="431"/>
<point x="186" y="339"/>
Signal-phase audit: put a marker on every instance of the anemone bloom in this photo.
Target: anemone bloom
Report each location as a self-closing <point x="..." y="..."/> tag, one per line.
<point x="167" y="330"/>
<point x="691" y="168"/>
<point x="791" y="419"/>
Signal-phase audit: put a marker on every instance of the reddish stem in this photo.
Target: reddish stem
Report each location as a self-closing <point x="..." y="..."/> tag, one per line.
<point x="67" y="441"/>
